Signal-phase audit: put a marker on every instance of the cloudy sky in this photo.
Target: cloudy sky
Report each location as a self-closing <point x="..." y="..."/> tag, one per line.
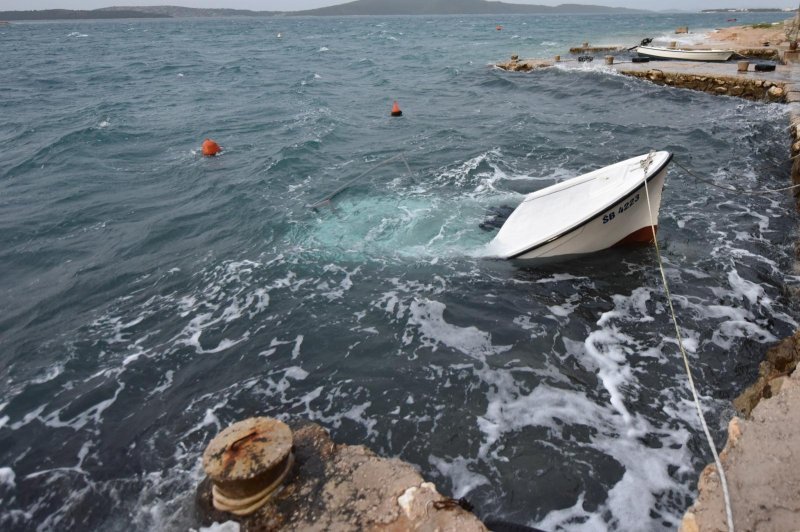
<point x="292" y="5"/>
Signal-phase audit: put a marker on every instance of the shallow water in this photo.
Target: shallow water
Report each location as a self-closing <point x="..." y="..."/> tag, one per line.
<point x="150" y="297"/>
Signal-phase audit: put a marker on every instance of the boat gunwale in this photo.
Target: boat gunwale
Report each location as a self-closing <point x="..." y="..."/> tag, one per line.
<point x="593" y="217"/>
<point x="686" y="50"/>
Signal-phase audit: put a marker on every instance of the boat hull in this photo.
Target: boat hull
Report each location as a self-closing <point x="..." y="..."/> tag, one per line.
<point x="684" y="55"/>
<point x="627" y="222"/>
<point x="595" y="211"/>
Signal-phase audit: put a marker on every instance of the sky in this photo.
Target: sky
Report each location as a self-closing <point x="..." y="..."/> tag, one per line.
<point x="294" y="5"/>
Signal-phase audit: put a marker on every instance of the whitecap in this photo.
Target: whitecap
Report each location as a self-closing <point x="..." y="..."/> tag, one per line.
<point x="324" y="49"/>
<point x="227" y="526"/>
<point x="7" y="477"/>
<point x="458" y="471"/>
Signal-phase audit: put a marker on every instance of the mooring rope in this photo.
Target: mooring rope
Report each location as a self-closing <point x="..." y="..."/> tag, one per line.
<point x="723" y="479"/>
<point x="734" y="189"/>
<point x="330" y="196"/>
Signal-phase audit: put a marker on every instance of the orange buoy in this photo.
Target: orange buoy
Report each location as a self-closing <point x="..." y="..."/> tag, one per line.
<point x="210" y="148"/>
<point x="498" y="28"/>
<point x="396" y="109"/>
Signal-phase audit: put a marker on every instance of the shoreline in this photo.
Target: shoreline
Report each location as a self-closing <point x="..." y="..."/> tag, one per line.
<point x="760" y="458"/>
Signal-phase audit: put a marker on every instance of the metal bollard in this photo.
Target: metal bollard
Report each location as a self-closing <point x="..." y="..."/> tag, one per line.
<point x="247" y="462"/>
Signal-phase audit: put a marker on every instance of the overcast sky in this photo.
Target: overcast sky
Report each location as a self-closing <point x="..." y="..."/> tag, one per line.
<point x="293" y="5"/>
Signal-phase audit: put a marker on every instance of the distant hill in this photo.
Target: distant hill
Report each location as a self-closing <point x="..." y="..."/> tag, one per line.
<point x="183" y="12"/>
<point x="71" y="14"/>
<point x="747" y="10"/>
<point x="452" y="7"/>
<point x="359" y="7"/>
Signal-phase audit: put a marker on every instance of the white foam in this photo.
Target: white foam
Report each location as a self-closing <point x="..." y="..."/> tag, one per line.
<point x="744" y="289"/>
<point x="7" y="477"/>
<point x="92" y="415"/>
<point x="227" y="526"/>
<point x="574" y="519"/>
<point x="166" y="384"/>
<point x="296" y="372"/>
<point x="458" y="471"/>
<point x="428" y="317"/>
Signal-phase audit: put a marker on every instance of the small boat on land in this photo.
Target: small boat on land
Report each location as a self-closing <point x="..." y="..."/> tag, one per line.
<point x="684" y="54"/>
<point x="599" y="210"/>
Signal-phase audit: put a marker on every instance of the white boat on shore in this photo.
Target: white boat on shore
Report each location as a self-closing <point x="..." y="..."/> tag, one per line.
<point x="588" y="213"/>
<point x="684" y="54"/>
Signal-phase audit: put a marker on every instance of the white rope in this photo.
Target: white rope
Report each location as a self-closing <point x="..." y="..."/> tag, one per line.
<point x="723" y="479"/>
<point x="734" y="189"/>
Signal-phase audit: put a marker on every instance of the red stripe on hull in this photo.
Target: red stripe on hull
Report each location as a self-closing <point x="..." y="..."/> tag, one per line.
<point x="640" y="237"/>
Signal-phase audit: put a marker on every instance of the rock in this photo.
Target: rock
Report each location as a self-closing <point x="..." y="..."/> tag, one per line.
<point x="781" y="360"/>
<point x="689" y="523"/>
<point x="775" y="92"/>
<point x="721" y="90"/>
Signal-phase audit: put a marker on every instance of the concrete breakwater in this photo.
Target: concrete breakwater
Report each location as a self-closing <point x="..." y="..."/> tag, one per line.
<point x="751" y="89"/>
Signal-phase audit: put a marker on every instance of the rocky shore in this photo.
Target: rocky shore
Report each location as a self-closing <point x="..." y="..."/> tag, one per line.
<point x="761" y="458"/>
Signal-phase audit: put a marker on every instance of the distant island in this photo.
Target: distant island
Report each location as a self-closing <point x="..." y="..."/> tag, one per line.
<point x="359" y="7"/>
<point x="748" y="10"/>
<point x="453" y="7"/>
<point x="72" y="14"/>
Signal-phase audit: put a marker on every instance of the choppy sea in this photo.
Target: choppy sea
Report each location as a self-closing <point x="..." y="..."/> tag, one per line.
<point x="149" y="296"/>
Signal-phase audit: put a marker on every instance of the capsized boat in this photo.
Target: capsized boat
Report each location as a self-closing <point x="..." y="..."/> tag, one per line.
<point x="684" y="54"/>
<point x="599" y="210"/>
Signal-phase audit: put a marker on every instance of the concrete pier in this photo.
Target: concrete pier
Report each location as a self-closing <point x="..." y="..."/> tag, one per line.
<point x="318" y="485"/>
<point x="717" y="78"/>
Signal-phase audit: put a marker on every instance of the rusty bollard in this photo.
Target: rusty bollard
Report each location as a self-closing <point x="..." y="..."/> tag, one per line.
<point x="742" y="66"/>
<point x="609" y="59"/>
<point x="247" y="462"/>
<point x="557" y="58"/>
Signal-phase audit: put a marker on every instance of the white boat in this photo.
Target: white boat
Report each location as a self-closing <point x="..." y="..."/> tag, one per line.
<point x="684" y="54"/>
<point x="588" y="213"/>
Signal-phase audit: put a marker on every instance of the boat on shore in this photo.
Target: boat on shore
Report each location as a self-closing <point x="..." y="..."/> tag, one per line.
<point x="595" y="211"/>
<point x="684" y="54"/>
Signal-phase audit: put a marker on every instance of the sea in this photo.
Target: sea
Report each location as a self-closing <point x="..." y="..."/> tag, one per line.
<point x="150" y="297"/>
